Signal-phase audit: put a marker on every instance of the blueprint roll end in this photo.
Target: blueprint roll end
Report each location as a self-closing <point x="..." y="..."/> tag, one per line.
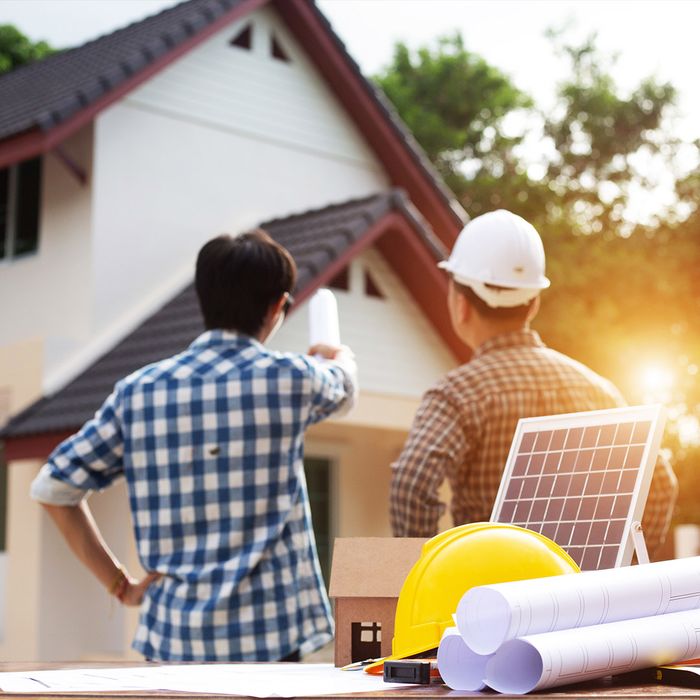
<point x="516" y="668"/>
<point x="459" y="666"/>
<point x="483" y="619"/>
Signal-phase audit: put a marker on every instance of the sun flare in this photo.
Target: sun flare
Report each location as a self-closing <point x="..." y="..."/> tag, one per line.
<point x="657" y="380"/>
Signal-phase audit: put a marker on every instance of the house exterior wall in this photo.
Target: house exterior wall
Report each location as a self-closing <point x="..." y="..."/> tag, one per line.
<point x="79" y="620"/>
<point x="219" y="141"/>
<point x="20" y="617"/>
<point x="21" y="365"/>
<point x="349" y="610"/>
<point x="50" y="290"/>
<point x="398" y="352"/>
<point x="52" y="608"/>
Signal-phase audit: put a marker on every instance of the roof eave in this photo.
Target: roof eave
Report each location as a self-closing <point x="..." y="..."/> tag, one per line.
<point x="36" y="141"/>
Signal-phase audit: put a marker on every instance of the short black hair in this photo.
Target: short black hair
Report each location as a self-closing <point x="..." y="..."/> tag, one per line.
<point x="490" y="313"/>
<point x="238" y="278"/>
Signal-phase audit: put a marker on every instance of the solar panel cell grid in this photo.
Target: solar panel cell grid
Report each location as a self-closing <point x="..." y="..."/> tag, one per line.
<point x="576" y="484"/>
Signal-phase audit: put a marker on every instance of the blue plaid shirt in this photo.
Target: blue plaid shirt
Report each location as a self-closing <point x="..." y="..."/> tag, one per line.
<point x="211" y="444"/>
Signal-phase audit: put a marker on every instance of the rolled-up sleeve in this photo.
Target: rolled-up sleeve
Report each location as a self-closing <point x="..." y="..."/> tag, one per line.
<point x="334" y="386"/>
<point x="89" y="460"/>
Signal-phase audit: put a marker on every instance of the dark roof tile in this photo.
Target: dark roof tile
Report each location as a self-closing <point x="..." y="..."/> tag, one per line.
<point x="54" y="85"/>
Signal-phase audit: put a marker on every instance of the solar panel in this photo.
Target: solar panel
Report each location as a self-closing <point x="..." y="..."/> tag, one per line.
<point x="582" y="479"/>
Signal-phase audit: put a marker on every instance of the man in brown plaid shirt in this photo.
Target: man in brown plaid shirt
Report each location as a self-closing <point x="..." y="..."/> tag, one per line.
<point x="465" y="424"/>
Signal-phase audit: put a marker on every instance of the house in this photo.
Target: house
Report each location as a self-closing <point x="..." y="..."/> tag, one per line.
<point x="366" y="580"/>
<point x="118" y="159"/>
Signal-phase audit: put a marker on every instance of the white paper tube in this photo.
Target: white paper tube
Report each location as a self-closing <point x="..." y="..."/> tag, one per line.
<point x="459" y="666"/>
<point x="488" y="616"/>
<point x="323" y="319"/>
<point x="574" y="655"/>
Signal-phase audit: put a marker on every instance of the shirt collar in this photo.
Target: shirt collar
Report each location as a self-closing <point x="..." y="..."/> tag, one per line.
<point x="221" y="337"/>
<point x="525" y="337"/>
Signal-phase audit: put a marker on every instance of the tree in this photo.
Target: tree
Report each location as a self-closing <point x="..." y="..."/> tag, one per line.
<point x="458" y="107"/>
<point x="16" y="49"/>
<point x="598" y="135"/>
<point x="455" y="103"/>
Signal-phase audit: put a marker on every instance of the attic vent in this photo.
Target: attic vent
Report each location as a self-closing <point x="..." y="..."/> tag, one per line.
<point x="371" y="289"/>
<point x="243" y="40"/>
<point x="277" y="51"/>
<point x="341" y="280"/>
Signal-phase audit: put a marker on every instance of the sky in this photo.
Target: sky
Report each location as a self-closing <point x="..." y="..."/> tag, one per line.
<point x="651" y="37"/>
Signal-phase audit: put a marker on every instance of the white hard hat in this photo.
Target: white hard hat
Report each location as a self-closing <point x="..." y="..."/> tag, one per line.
<point x="499" y="249"/>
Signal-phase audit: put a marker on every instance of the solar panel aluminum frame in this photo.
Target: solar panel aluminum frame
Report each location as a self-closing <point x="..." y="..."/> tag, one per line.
<point x="654" y="414"/>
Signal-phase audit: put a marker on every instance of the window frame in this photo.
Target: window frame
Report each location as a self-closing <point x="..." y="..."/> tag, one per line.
<point x="11" y="214"/>
<point x="314" y="460"/>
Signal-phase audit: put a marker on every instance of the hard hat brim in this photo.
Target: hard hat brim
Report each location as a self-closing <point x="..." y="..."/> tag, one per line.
<point x="542" y="283"/>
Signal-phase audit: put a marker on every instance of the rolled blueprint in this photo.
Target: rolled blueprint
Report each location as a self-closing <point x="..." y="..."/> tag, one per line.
<point x="459" y="666"/>
<point x="323" y="319"/>
<point x="488" y="616"/>
<point x="574" y="655"/>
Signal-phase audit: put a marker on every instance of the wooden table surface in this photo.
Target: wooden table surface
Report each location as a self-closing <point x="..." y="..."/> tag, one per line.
<point x="618" y="688"/>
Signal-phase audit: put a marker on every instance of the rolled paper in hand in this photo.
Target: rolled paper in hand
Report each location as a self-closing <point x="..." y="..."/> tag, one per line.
<point x="323" y="319"/>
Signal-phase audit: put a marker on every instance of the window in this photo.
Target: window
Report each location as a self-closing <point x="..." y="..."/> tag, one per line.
<point x="365" y="640"/>
<point x="20" y="192"/>
<point x="3" y="543"/>
<point x="341" y="280"/>
<point x="3" y="499"/>
<point x="318" y="483"/>
<point x="371" y="289"/>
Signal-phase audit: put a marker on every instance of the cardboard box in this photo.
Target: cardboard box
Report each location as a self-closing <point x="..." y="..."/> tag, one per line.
<point x="366" y="578"/>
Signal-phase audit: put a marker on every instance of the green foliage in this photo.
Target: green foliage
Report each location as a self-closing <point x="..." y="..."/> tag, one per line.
<point x="455" y="102"/>
<point x="17" y="50"/>
<point x="623" y="294"/>
<point x="596" y="133"/>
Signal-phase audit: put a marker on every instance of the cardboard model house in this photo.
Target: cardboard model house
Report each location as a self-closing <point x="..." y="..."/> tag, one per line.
<point x="366" y="579"/>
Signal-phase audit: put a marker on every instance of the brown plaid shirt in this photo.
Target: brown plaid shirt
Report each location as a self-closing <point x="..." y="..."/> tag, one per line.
<point x="465" y="424"/>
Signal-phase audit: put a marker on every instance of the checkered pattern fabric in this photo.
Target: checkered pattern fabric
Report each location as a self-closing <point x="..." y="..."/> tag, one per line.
<point x="211" y="444"/>
<point x="465" y="425"/>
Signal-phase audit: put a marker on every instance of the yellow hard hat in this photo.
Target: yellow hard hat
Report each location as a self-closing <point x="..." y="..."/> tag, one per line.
<point x="456" y="560"/>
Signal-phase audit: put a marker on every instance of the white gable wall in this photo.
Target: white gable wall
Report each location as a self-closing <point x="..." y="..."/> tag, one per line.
<point x="398" y="351"/>
<point x="219" y="141"/>
<point x="46" y="295"/>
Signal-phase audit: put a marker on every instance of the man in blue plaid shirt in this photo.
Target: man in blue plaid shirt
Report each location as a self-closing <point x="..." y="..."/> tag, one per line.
<point x="210" y="442"/>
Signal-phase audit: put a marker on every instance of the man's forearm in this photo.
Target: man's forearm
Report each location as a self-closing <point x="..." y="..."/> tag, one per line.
<point x="414" y="512"/>
<point x="80" y="531"/>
